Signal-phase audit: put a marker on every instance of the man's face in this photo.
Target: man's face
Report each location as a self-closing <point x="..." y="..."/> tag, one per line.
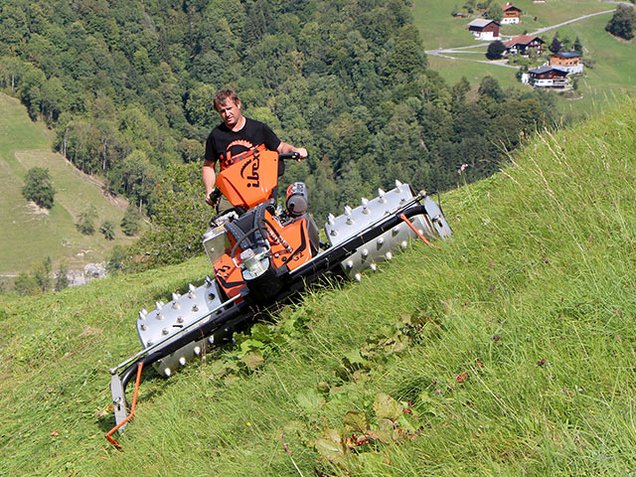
<point x="230" y="112"/>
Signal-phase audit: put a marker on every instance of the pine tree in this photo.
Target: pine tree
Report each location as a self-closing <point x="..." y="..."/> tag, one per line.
<point x="61" y="278"/>
<point x="108" y="230"/>
<point x="578" y="46"/>
<point x="555" y="46"/>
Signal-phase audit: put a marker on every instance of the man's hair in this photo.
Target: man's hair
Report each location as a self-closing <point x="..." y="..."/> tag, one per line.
<point x="223" y="95"/>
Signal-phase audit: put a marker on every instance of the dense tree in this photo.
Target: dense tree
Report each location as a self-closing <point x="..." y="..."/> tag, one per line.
<point x="128" y="88"/>
<point x="131" y="222"/>
<point x="494" y="12"/>
<point x="180" y="218"/>
<point x="489" y="87"/>
<point x="38" y="187"/>
<point x="622" y="22"/>
<point x="495" y="50"/>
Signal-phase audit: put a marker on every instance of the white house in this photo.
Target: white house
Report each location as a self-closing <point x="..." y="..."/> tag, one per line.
<point x="486" y="30"/>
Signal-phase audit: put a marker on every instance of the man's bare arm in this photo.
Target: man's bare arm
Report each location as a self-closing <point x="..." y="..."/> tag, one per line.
<point x="208" y="176"/>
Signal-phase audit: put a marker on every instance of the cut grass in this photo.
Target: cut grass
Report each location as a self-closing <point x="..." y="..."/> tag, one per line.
<point x="28" y="235"/>
<point x="520" y="362"/>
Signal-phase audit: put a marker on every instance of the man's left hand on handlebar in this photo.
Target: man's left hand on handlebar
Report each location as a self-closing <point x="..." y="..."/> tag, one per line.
<point x="213" y="197"/>
<point x="303" y="153"/>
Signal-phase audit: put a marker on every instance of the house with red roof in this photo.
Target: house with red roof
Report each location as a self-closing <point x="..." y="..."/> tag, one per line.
<point x="511" y="14"/>
<point x="483" y="29"/>
<point x="524" y="44"/>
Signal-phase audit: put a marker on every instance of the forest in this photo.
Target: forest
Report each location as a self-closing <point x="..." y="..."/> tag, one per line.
<point x="127" y="86"/>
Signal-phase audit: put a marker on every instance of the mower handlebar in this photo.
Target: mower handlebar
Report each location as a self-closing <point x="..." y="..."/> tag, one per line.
<point x="290" y="155"/>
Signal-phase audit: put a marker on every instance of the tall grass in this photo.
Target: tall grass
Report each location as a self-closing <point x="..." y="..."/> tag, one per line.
<point x="510" y="349"/>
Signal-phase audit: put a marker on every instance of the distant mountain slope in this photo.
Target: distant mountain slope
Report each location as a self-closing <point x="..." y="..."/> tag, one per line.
<point x="508" y="350"/>
<point x="28" y="234"/>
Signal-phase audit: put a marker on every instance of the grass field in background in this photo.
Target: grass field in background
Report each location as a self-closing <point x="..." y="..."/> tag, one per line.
<point x="453" y="70"/>
<point x="28" y="236"/>
<point x="440" y="30"/>
<point x="507" y="350"/>
<point x="614" y="61"/>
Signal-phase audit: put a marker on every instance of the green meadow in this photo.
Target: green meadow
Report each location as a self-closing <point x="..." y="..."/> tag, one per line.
<point x="506" y="350"/>
<point x="612" y="74"/>
<point x="30" y="235"/>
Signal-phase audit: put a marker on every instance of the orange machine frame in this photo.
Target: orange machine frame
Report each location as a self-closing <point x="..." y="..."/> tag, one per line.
<point x="250" y="181"/>
<point x="290" y="246"/>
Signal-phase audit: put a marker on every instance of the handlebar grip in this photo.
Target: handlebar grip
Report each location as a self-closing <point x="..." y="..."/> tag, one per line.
<point x="289" y="155"/>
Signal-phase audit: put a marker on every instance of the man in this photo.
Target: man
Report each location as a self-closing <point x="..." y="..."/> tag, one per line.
<point x="235" y="136"/>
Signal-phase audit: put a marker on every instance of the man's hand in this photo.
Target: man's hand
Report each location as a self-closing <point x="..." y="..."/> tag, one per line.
<point x="302" y="151"/>
<point x="213" y="197"/>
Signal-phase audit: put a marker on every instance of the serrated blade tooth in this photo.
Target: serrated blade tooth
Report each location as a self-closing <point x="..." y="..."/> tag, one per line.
<point x="398" y="184"/>
<point x="159" y="305"/>
<point x="348" y="210"/>
<point x="381" y="193"/>
<point x="357" y="277"/>
<point x="143" y="313"/>
<point x="364" y="201"/>
<point x="175" y="296"/>
<point x="191" y="287"/>
<point x="331" y="219"/>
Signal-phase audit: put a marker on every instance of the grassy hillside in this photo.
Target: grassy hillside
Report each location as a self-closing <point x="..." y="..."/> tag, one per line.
<point x="508" y="350"/>
<point x="614" y="64"/>
<point x="440" y="30"/>
<point x="28" y="235"/>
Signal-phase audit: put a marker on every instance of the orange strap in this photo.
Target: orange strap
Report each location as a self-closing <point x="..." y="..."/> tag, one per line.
<point x="110" y="433"/>
<point x="414" y="229"/>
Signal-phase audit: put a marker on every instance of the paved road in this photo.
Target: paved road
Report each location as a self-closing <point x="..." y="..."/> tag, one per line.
<point x="447" y="52"/>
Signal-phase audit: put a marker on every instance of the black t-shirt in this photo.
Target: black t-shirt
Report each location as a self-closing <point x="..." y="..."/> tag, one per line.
<point x="224" y="144"/>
